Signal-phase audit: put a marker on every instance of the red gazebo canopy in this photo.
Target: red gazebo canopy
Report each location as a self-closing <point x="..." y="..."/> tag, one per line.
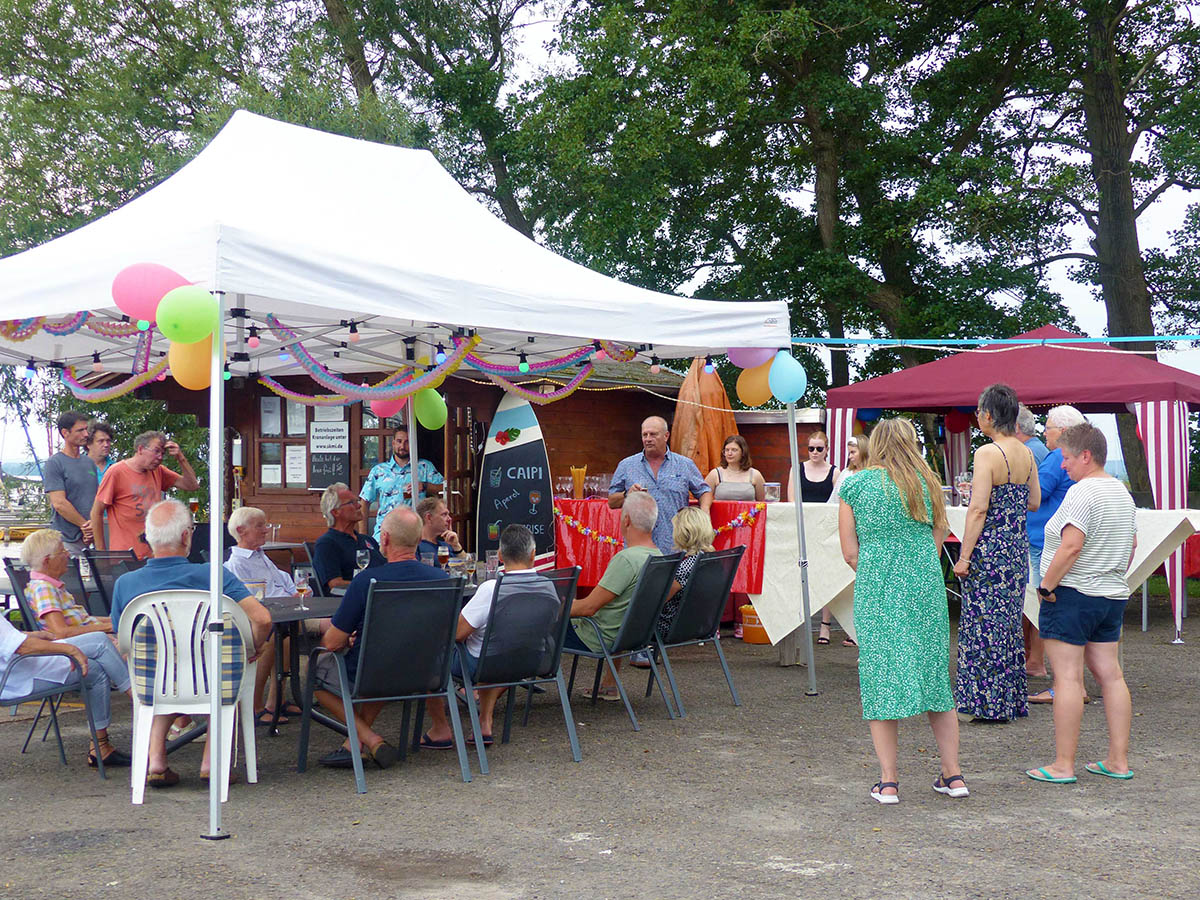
<point x="1091" y="377"/>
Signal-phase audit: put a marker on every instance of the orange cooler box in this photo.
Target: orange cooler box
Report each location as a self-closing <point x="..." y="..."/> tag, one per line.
<point x="752" y="630"/>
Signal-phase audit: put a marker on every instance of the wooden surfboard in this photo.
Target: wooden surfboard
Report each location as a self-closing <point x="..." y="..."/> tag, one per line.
<point x="515" y="487"/>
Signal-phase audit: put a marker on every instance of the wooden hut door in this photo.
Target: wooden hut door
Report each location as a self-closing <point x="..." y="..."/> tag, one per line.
<point x="460" y="472"/>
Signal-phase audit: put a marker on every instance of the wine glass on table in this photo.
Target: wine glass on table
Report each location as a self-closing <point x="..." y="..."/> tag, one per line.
<point x="302" y="589"/>
<point x="962" y="483"/>
<point x="362" y="558"/>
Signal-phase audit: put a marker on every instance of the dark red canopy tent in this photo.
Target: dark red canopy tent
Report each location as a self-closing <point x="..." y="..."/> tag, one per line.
<point x="1090" y="377"/>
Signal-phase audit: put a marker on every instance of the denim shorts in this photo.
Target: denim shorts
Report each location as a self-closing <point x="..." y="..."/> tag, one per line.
<point x="1080" y="619"/>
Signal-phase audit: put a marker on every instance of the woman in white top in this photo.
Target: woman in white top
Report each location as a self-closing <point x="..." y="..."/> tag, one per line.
<point x="1089" y="547"/>
<point x="737" y="479"/>
<point x="858" y="457"/>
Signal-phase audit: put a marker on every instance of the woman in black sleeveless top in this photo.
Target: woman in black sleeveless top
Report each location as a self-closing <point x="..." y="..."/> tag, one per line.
<point x="816" y="474"/>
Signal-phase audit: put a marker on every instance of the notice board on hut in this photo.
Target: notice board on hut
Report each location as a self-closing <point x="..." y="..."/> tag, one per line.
<point x="328" y="454"/>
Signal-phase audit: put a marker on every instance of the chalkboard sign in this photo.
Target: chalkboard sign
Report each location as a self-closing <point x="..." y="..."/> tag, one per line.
<point x="325" y="469"/>
<point x="515" y="486"/>
<point x="328" y="454"/>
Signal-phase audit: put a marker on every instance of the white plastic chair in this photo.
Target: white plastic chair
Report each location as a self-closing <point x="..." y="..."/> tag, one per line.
<point x="179" y="621"/>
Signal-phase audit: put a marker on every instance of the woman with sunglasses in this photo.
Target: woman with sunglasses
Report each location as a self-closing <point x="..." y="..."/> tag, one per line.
<point x="816" y="474"/>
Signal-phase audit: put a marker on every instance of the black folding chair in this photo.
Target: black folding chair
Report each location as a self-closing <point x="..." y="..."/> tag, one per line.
<point x="405" y="650"/>
<point x="104" y="565"/>
<point x="89" y="600"/>
<point x="52" y="697"/>
<point x="698" y="619"/>
<point x="637" y="630"/>
<point x="522" y="646"/>
<point x="18" y="577"/>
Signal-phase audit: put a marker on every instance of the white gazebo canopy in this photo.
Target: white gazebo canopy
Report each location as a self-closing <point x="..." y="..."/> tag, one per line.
<point x="318" y="228"/>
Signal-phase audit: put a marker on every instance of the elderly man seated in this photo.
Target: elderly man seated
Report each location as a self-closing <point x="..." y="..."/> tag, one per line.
<point x="103" y="671"/>
<point x="399" y="536"/>
<point x="247" y="561"/>
<point x="169" y="534"/>
<point x="56" y="609"/>
<point x="517" y="549"/>
<point x="608" y="601"/>
<point x="336" y="551"/>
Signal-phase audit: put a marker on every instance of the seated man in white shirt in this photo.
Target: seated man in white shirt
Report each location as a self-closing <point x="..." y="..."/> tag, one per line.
<point x="247" y="561"/>
<point x="517" y="549"/>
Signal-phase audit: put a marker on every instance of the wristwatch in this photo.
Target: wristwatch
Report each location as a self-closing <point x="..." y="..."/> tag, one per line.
<point x="1043" y="592"/>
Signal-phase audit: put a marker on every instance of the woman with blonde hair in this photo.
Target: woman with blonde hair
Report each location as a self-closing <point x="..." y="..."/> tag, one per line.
<point x="858" y="457"/>
<point x="892" y="523"/>
<point x="817" y="474"/>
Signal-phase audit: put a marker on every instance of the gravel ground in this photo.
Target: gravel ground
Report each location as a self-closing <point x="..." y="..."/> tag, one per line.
<point x="766" y="800"/>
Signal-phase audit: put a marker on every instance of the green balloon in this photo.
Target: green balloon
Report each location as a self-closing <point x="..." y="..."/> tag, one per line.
<point x="187" y="314"/>
<point x="430" y="408"/>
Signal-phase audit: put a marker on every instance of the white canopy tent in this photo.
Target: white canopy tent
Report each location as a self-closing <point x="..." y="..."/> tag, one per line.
<point x="317" y="229"/>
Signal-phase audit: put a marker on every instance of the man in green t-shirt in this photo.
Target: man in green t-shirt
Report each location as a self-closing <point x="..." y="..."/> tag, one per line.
<point x="608" y="601"/>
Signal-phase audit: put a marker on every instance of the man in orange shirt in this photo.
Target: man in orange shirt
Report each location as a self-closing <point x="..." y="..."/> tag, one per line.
<point x="130" y="487"/>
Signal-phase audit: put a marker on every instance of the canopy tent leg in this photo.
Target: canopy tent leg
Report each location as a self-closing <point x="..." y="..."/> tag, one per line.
<point x="806" y="627"/>
<point x="216" y="561"/>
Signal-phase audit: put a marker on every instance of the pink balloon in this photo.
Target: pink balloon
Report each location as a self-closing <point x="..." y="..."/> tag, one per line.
<point x="387" y="408"/>
<point x="138" y="288"/>
<point x="749" y="357"/>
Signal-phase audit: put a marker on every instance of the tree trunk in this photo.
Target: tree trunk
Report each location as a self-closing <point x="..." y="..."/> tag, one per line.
<point x="829" y="211"/>
<point x="1122" y="278"/>
<point x="353" y="53"/>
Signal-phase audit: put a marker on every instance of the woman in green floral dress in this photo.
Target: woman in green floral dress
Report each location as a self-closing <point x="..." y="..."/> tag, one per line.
<point x="891" y="535"/>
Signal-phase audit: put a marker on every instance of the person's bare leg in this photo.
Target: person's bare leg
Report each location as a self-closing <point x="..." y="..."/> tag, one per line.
<point x="607" y="680"/>
<point x="487" y="706"/>
<point x="826" y="621"/>
<point x="364" y="718"/>
<point x="885" y="735"/>
<point x="945" y="732"/>
<point x="1104" y="663"/>
<point x="1067" y="662"/>
<point x="264" y="678"/>
<point x="1035" y="650"/>
<point x="439" y="728"/>
<point x="158" y="743"/>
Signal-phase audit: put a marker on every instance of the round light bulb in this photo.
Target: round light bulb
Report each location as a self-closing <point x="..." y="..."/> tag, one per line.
<point x="655" y="369"/>
<point x="355" y="337"/>
<point x="143" y="325"/>
<point x="227" y="375"/>
<point x="599" y="356"/>
<point x="522" y="367"/>
<point x="284" y="356"/>
<point x="252" y="342"/>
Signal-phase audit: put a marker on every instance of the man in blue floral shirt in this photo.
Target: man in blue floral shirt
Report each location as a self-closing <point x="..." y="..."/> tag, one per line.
<point x="390" y="483"/>
<point x="666" y="476"/>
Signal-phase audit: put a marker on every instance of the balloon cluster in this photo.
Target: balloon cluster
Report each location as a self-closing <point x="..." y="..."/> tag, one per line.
<point x="428" y="405"/>
<point x="151" y="294"/>
<point x="767" y="373"/>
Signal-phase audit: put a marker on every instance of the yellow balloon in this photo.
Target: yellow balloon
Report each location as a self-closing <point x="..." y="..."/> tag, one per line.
<point x="191" y="364"/>
<point x="752" y="386"/>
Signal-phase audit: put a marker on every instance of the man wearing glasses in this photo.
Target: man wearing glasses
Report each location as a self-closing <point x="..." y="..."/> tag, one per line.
<point x="336" y="551"/>
<point x="130" y="487"/>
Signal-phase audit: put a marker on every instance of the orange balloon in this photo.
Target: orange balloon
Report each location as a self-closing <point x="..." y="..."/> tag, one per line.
<point x="191" y="364"/>
<point x="752" y="386"/>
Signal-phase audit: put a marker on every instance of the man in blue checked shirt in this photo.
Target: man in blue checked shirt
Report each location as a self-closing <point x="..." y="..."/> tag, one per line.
<point x="668" y="477"/>
<point x="390" y="482"/>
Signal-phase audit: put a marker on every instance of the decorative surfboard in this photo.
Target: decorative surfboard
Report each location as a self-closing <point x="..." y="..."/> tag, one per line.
<point x="515" y="487"/>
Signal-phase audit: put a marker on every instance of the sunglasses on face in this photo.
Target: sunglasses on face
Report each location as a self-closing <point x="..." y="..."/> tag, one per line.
<point x="815" y="449"/>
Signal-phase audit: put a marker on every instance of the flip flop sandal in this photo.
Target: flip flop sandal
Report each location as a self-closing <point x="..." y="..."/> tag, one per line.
<point x="234" y="778"/>
<point x="849" y="642"/>
<point x="943" y="786"/>
<point x="488" y="740"/>
<point x="1049" y="698"/>
<point x="822" y="640"/>
<point x="166" y="779"/>
<point x="1043" y="775"/>
<point x="428" y="743"/>
<point x="608" y="693"/>
<point x="263" y="717"/>
<point x="886" y="799"/>
<point x="1098" y="768"/>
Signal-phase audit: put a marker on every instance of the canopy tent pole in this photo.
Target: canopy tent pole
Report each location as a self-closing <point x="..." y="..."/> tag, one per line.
<point x="414" y="460"/>
<point x="216" y="560"/>
<point x="799" y="506"/>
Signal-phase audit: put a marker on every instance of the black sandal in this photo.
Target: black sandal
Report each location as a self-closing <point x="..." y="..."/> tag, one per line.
<point x="879" y="796"/>
<point x="942" y="786"/>
<point x="115" y="758"/>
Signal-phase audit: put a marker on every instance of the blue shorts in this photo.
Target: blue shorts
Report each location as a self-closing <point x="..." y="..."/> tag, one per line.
<point x="456" y="664"/>
<point x="1080" y="619"/>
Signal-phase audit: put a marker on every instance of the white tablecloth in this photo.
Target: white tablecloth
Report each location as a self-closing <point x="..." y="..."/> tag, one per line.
<point x="831" y="581"/>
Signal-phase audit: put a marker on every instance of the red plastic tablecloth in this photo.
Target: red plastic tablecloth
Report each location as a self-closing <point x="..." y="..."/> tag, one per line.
<point x="574" y="548"/>
<point x="1191" y="556"/>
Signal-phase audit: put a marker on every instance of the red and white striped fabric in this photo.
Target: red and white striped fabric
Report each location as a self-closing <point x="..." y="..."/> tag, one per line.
<point x="956" y="454"/>
<point x="840" y="425"/>
<point x="1163" y="426"/>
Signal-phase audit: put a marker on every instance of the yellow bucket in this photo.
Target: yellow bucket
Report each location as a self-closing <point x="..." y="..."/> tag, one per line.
<point x="752" y="629"/>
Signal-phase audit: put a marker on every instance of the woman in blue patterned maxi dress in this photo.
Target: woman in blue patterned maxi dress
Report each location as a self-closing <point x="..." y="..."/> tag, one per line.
<point x="994" y="567"/>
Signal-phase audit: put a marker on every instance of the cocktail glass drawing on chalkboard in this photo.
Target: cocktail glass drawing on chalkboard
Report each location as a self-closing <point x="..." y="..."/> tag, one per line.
<point x="494" y="477"/>
<point x="494" y="530"/>
<point x="535" y="497"/>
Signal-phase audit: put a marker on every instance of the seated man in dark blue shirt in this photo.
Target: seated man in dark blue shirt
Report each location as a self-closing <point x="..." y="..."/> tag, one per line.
<point x="169" y="534"/>
<point x="435" y="528"/>
<point x="400" y="534"/>
<point x="334" y="554"/>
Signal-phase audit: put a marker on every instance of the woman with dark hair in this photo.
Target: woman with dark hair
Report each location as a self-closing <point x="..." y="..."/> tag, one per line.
<point x="737" y="479"/>
<point x="993" y="565"/>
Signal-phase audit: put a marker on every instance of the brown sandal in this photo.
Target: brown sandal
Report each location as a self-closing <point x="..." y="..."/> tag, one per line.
<point x="166" y="779"/>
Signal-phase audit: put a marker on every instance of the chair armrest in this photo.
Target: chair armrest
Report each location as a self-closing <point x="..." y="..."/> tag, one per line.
<point x="596" y="628"/>
<point x="33" y="656"/>
<point x="318" y="650"/>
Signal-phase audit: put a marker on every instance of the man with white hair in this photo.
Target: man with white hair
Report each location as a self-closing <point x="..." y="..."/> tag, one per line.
<point x="169" y="534"/>
<point x="1025" y="431"/>
<point x="668" y="478"/>
<point x="608" y="601"/>
<point x="1054" y="482"/>
<point x="335" y="553"/>
<point x="251" y="565"/>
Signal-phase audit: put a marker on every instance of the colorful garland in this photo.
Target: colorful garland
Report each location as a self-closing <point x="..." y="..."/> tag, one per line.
<point x="130" y="384"/>
<point x="352" y="391"/>
<point x="550" y="365"/>
<point x="542" y="399"/>
<point x="742" y="520"/>
<point x="24" y="329"/>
